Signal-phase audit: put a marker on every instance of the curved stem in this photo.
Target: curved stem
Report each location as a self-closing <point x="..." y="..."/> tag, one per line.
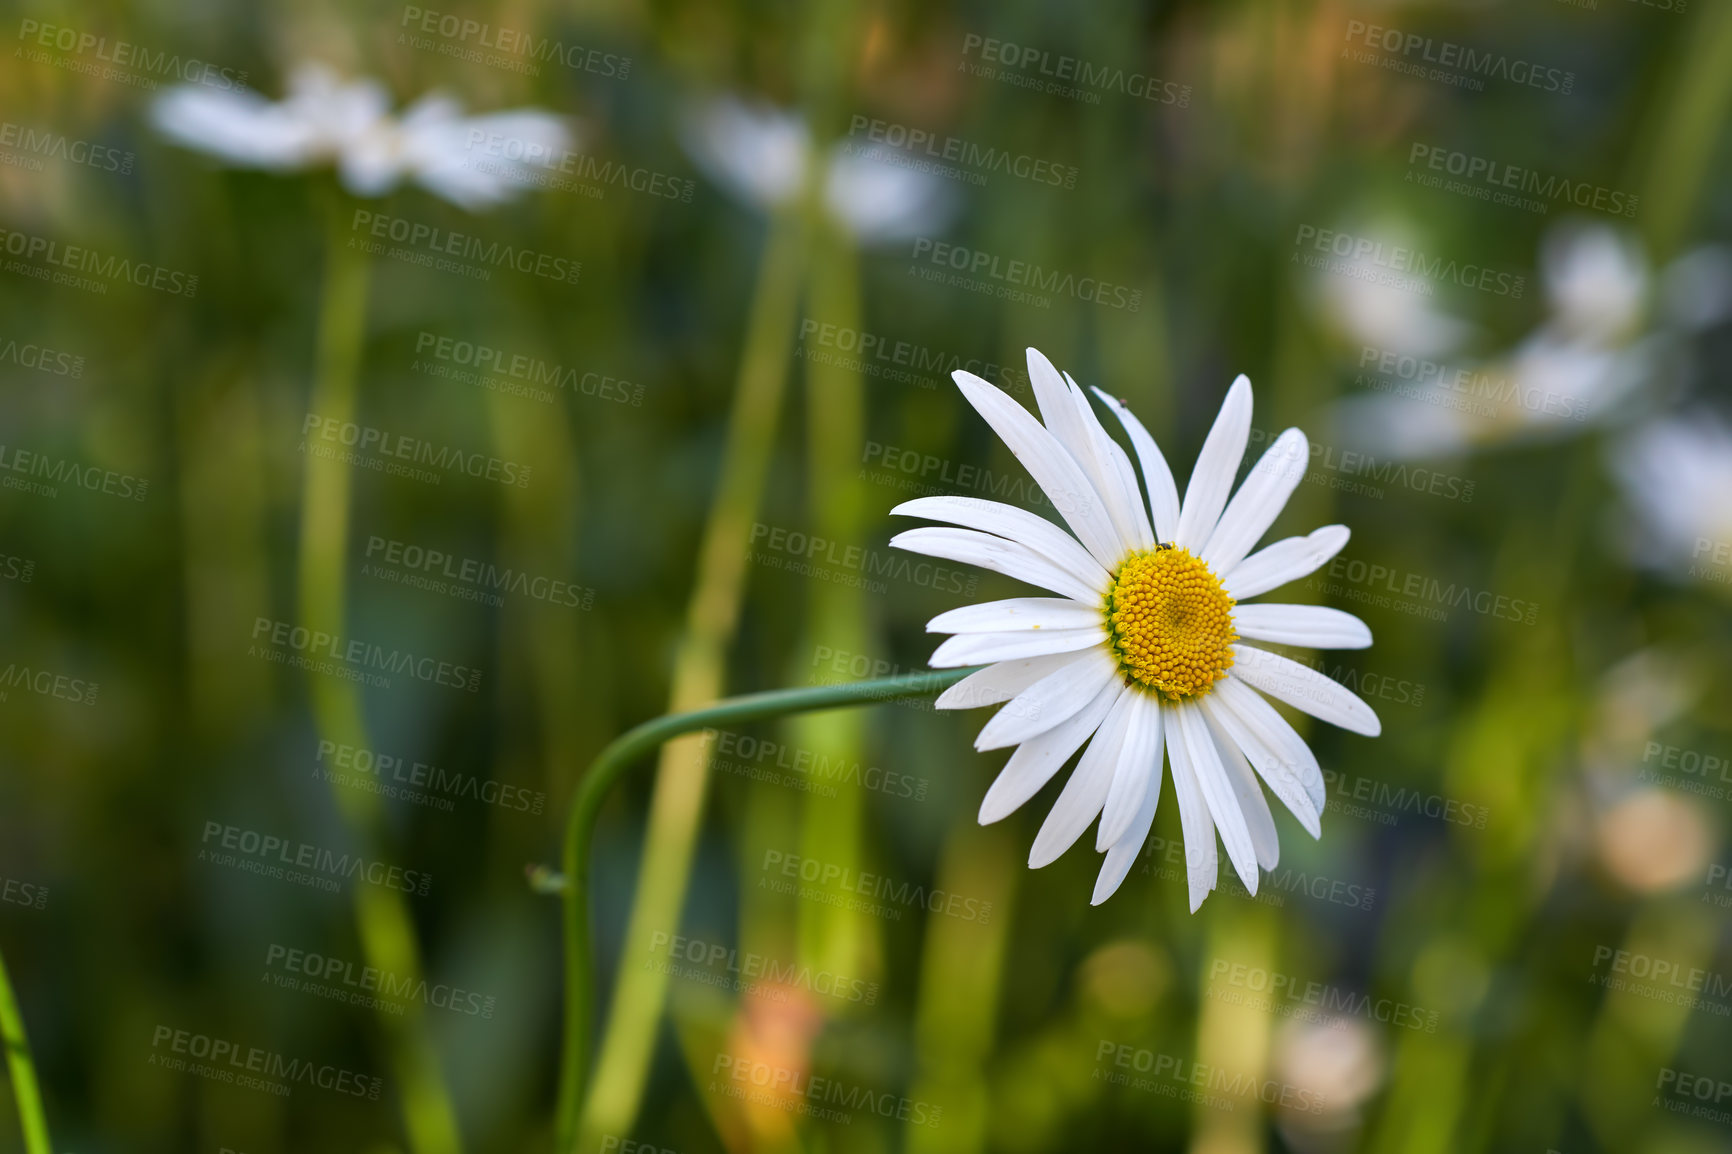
<point x="607" y="768"/>
<point x="24" y="1086"/>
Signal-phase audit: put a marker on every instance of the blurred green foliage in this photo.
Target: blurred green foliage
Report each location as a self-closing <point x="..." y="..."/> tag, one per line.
<point x="1475" y="934"/>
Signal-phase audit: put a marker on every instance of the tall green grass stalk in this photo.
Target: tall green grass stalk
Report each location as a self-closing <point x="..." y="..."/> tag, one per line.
<point x="26" y="1092"/>
<point x="833" y="938"/>
<point x="383" y="924"/>
<point x="712" y="617"/>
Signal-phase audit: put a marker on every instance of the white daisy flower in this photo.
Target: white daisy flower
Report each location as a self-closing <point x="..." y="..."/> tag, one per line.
<point x="765" y="157"/>
<point x="1611" y="338"/>
<point x="1146" y="644"/>
<point x="324" y="120"/>
<point x="1676" y="474"/>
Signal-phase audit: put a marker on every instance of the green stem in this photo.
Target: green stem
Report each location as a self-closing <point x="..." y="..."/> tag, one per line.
<point x="24" y="1086"/>
<point x="383" y="923"/>
<point x="607" y="768"/>
<point x="699" y="672"/>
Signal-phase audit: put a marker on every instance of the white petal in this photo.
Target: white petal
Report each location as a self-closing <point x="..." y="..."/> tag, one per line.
<point x="1014" y="524"/>
<point x="1080" y="801"/>
<point x="1314" y="626"/>
<point x="1139" y="770"/>
<point x="1163" y="494"/>
<point x="1124" y="853"/>
<point x="1259" y="501"/>
<point x="1074" y="425"/>
<point x="980" y="648"/>
<point x="1286" y="560"/>
<point x="440" y="150"/>
<point x="337" y="112"/>
<point x="372" y="164"/>
<point x="1275" y="748"/>
<point x="995" y="553"/>
<point x="240" y="127"/>
<point x="1199" y="748"/>
<point x="757" y="153"/>
<point x="878" y="200"/>
<point x="1002" y="681"/>
<point x="1050" y="465"/>
<point x="1217" y="466"/>
<point x="1304" y="688"/>
<point x="1047" y="702"/>
<point x="1201" y="864"/>
<point x="1258" y="820"/>
<point x="1041" y="756"/>
<point x="1117" y="475"/>
<point x="1017" y="613"/>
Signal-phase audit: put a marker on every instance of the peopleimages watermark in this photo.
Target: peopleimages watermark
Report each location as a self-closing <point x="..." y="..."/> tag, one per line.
<point x="1164" y="858"/>
<point x="1497" y="182"/>
<point x="1700" y="1096"/>
<point x="55" y="262"/>
<point x="1025" y="66"/>
<point x="14" y="892"/>
<point x="1718" y="565"/>
<point x="19" y="569"/>
<point x="778" y="763"/>
<point x="399" y="455"/>
<point x="1383" y="803"/>
<point x="521" y="374"/>
<point x="1017" y="281"/>
<point x="1287" y="996"/>
<point x="431" y="246"/>
<point x="302" y="863"/>
<point x="46" y="683"/>
<point x="1361" y="473"/>
<point x="799" y="1091"/>
<point x="614" y="1144"/>
<point x="1364" y="682"/>
<point x="341" y="980"/>
<point x="1661" y="980"/>
<point x="119" y="60"/>
<point x="863" y="891"/>
<point x="466" y="578"/>
<point x="41" y="358"/>
<point x="809" y="555"/>
<point x="1687" y="770"/>
<point x="418" y="782"/>
<point x="952" y="157"/>
<point x="253" y="1067"/>
<point x="497" y="46"/>
<point x="830" y="665"/>
<point x="1417" y="594"/>
<point x="1170" y="1076"/>
<point x="567" y="170"/>
<point x="28" y="471"/>
<point x="29" y="148"/>
<point x="875" y="355"/>
<point x="1719" y="877"/>
<point x="1389" y="265"/>
<point x="745" y="972"/>
<point x="1474" y="392"/>
<point x="352" y="659"/>
<point x="1447" y="62"/>
<point x="923" y="472"/>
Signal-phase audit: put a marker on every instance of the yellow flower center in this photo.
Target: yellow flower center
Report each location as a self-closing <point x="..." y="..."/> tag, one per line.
<point x="1171" y="623"/>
